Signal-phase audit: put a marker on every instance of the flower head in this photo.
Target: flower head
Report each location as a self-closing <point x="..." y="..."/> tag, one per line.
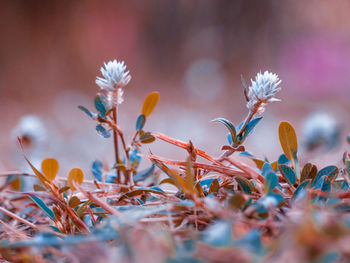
<point x="262" y="91"/>
<point x="320" y="128"/>
<point x="114" y="75"/>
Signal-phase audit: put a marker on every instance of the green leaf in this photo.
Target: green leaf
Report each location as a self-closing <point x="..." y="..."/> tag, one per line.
<point x="87" y="111"/>
<point x="288" y="174"/>
<point x="229" y="126"/>
<point x="271" y="181"/>
<point x="288" y="140"/>
<point x="147" y="137"/>
<point x="150" y="103"/>
<point x="141" y="120"/>
<point x="44" y="207"/>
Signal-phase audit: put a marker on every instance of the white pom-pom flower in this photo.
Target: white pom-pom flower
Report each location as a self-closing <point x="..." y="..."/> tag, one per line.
<point x="262" y="91"/>
<point x="114" y="75"/>
<point x="115" y="78"/>
<point x="320" y="128"/>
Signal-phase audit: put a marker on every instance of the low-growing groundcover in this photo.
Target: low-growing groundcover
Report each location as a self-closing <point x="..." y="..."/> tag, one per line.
<point x="198" y="209"/>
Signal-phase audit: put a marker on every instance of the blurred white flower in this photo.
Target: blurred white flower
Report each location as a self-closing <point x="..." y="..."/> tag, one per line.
<point x="31" y="130"/>
<point x="262" y="91"/>
<point x="268" y="201"/>
<point x="114" y="76"/>
<point x="320" y="128"/>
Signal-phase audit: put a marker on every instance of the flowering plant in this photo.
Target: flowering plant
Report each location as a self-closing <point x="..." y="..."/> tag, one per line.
<point x="198" y="209"/>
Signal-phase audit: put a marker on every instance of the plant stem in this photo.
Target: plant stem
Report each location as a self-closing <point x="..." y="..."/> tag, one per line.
<point x="249" y="117"/>
<point x="127" y="157"/>
<point x="115" y="139"/>
<point x="246" y="121"/>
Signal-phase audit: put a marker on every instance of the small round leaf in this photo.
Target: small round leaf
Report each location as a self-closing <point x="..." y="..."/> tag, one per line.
<point x="75" y="175"/>
<point x="288" y="139"/>
<point x="150" y="103"/>
<point x="141" y="120"/>
<point x="50" y="167"/>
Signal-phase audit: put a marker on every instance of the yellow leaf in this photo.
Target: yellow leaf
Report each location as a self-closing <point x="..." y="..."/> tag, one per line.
<point x="288" y="139"/>
<point x="150" y="103"/>
<point x="16" y="184"/>
<point x="274" y="165"/>
<point x="259" y="163"/>
<point x="75" y="175"/>
<point x="49" y="167"/>
<point x="41" y="177"/>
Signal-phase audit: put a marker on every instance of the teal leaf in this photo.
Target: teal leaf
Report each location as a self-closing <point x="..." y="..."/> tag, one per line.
<point x="283" y="159"/>
<point x="55" y="228"/>
<point x="247" y="154"/>
<point x="266" y="169"/>
<point x="229" y="139"/>
<point x="87" y="111"/>
<point x="102" y="131"/>
<point x="251" y="125"/>
<point x="244" y="184"/>
<point x="140" y="123"/>
<point x="229" y="126"/>
<point x="134" y="156"/>
<point x="345" y="185"/>
<point x="271" y="181"/>
<point x="101" y="104"/>
<point x="44" y="207"/>
<point x="326" y="171"/>
<point x="96" y="169"/>
<point x="252" y="242"/>
<point x="288" y="174"/>
<point x="218" y="234"/>
<point x="144" y="174"/>
<point x="301" y="190"/>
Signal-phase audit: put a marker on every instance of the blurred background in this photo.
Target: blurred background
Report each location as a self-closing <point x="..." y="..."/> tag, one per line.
<point x="193" y="53"/>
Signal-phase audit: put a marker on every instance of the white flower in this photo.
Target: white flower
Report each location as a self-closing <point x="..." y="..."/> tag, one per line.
<point x="114" y="76"/>
<point x="262" y="91"/>
<point x="320" y="128"/>
<point x="31" y="130"/>
<point x="268" y="201"/>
